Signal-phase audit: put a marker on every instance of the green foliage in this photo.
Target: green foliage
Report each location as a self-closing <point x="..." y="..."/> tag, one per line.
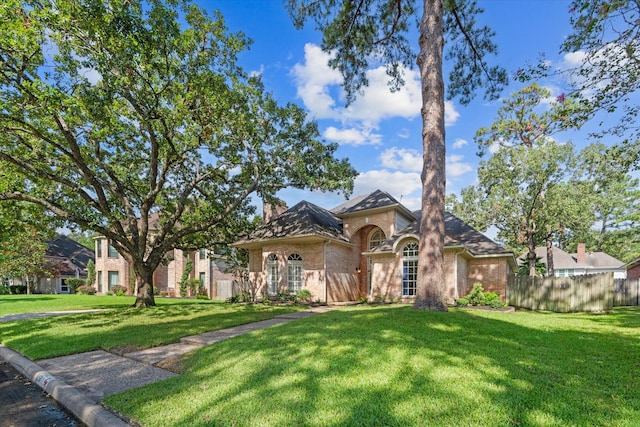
<point x="17" y="289"/>
<point x="476" y="296"/>
<point x="75" y="283"/>
<point x="119" y="290"/>
<point x="202" y="296"/>
<point x="523" y="189"/>
<point x="523" y="267"/>
<point x="91" y="273"/>
<point x="86" y="290"/>
<point x="462" y="302"/>
<point x="184" y="279"/>
<point x="194" y="286"/>
<point x="303" y="295"/>
<point x="110" y="132"/>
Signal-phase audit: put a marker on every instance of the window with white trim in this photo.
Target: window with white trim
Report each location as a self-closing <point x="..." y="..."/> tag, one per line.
<point x="272" y="274"/>
<point x="376" y="237"/>
<point x="294" y="272"/>
<point x="409" y="269"/>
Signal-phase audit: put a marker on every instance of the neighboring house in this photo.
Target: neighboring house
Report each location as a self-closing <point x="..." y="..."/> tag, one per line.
<point x="582" y="262"/>
<point x="366" y="248"/>
<point x="112" y="269"/>
<point x="69" y="259"/>
<point x="633" y="269"/>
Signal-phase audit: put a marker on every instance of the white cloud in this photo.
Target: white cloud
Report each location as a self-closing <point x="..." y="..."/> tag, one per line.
<point x="353" y="136"/>
<point x="378" y="102"/>
<point x="459" y="143"/>
<point x="319" y="87"/>
<point x="314" y="78"/>
<point x="451" y="115"/>
<point x="402" y="159"/>
<point x="456" y="167"/>
<point x="398" y="184"/>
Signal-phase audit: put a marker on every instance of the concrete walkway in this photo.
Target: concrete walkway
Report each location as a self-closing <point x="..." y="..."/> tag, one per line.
<point x="79" y="382"/>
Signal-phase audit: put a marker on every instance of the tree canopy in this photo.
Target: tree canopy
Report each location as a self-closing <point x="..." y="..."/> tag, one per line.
<point x="131" y="118"/>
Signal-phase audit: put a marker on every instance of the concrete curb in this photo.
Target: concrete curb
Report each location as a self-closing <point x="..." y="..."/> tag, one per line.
<point x="87" y="411"/>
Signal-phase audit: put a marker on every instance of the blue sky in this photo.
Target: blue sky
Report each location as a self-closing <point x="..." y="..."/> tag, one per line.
<point x="381" y="132"/>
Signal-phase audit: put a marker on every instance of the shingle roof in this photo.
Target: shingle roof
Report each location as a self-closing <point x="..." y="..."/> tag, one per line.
<point x="564" y="260"/>
<point x="303" y="219"/>
<point x="377" y="199"/>
<point x="457" y="233"/>
<point x="69" y="255"/>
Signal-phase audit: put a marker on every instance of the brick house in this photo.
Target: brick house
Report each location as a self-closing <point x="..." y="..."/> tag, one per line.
<point x="366" y="248"/>
<point x="633" y="269"/>
<point x="112" y="269"/>
<point x="69" y="259"/>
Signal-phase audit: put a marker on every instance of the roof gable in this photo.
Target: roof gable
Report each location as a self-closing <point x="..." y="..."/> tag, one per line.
<point x="303" y="219"/>
<point x="376" y="200"/>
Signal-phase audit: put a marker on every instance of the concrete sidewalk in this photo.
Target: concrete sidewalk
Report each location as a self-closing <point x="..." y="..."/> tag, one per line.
<point x="79" y="382"/>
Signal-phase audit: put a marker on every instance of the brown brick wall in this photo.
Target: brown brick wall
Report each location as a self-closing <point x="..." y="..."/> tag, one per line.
<point x="634" y="273"/>
<point x="492" y="273"/>
<point x="384" y="220"/>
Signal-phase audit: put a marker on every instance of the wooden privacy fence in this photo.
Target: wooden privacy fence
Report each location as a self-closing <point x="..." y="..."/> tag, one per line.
<point x="593" y="292"/>
<point x="626" y="292"/>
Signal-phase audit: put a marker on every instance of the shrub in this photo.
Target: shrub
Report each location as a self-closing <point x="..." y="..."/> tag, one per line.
<point x="476" y="296"/>
<point x="303" y="295"/>
<point x="17" y="289"/>
<point x="202" y="296"/>
<point x="74" y="283"/>
<point x="86" y="290"/>
<point x="462" y="302"/>
<point x="119" y="290"/>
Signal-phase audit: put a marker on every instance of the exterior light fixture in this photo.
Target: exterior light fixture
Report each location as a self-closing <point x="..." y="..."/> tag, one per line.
<point x="358" y="270"/>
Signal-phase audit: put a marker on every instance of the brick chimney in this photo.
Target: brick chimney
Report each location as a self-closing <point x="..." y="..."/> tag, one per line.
<point x="270" y="211"/>
<point x="580" y="256"/>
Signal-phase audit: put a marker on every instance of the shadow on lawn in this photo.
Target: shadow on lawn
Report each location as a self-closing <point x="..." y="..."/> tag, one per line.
<point x="415" y="368"/>
<point x="42" y="337"/>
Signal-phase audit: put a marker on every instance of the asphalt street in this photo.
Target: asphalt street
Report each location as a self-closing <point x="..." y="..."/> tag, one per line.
<point x="24" y="404"/>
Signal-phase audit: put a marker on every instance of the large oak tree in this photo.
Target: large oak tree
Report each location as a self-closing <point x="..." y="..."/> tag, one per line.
<point x="362" y="33"/>
<point x="131" y="118"/>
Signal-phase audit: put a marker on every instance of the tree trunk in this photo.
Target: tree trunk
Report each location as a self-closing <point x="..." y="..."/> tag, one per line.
<point x="144" y="287"/>
<point x="430" y="286"/>
<point x="550" y="268"/>
<point x="531" y="256"/>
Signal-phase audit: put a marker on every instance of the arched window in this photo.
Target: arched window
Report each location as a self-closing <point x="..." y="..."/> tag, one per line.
<point x="294" y="272"/>
<point x="409" y="269"/>
<point x="272" y="274"/>
<point x="376" y="237"/>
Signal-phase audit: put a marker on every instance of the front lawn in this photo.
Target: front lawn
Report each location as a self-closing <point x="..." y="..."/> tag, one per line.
<point x="14" y="304"/>
<point x="166" y="323"/>
<point x="396" y="366"/>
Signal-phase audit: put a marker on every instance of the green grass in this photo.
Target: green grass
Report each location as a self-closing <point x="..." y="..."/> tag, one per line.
<point x="14" y="304"/>
<point x="166" y="323"/>
<point x="395" y="366"/>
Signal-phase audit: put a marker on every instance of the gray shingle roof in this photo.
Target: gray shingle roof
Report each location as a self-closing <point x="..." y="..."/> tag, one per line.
<point x="377" y="199"/>
<point x="69" y="255"/>
<point x="564" y="260"/>
<point x="457" y="233"/>
<point x="303" y="219"/>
